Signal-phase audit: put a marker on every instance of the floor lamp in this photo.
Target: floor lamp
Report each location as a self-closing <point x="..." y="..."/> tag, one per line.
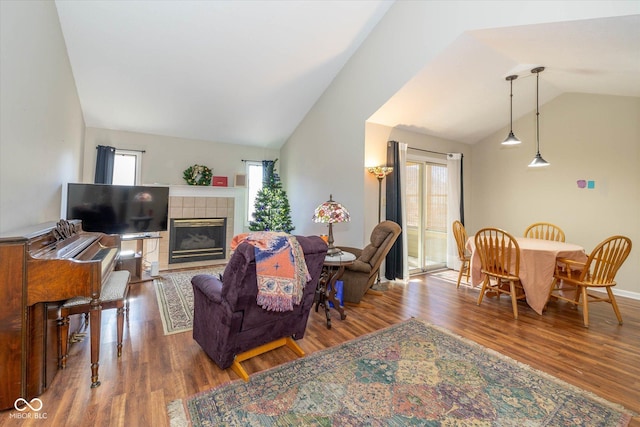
<point x="380" y="172"/>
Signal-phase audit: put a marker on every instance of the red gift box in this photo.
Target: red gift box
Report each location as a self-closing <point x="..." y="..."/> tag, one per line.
<point x="219" y="181"/>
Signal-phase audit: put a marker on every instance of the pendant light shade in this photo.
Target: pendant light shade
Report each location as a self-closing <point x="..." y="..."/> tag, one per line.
<point x="538" y="161"/>
<point x="511" y="138"/>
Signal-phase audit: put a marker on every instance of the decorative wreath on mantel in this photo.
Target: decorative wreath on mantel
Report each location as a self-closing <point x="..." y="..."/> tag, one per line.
<point x="198" y="175"/>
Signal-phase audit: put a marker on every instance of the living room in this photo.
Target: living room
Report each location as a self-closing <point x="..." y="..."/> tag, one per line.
<point x="45" y="143"/>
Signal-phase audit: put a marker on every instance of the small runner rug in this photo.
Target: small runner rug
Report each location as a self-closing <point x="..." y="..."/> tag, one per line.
<point x="409" y="374"/>
<point x="175" y="298"/>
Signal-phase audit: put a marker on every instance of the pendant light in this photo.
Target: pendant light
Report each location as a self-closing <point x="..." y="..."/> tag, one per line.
<point x="538" y="161"/>
<point x="511" y="138"/>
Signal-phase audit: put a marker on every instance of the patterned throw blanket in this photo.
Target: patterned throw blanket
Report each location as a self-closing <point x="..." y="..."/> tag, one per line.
<point x="280" y="268"/>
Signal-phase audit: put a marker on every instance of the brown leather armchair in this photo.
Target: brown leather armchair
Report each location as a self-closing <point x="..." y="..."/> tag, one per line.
<point x="360" y="276"/>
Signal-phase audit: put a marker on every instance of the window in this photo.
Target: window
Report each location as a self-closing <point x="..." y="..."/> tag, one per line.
<point x="254" y="184"/>
<point x="413" y="193"/>
<point x="436" y="201"/>
<point x="126" y="167"/>
<point x="426" y="206"/>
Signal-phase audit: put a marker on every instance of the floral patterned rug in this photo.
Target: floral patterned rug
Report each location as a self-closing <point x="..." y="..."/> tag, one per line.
<point x="175" y="298"/>
<point x="408" y="374"/>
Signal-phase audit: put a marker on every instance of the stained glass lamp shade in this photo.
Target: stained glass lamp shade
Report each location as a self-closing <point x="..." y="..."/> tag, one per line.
<point x="330" y="212"/>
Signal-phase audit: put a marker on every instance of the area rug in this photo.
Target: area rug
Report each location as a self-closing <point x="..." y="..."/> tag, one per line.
<point x="450" y="276"/>
<point x="175" y="298"/>
<point x="408" y="374"/>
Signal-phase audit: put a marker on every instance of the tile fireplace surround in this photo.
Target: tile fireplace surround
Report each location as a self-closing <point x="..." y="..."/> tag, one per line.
<point x="186" y="201"/>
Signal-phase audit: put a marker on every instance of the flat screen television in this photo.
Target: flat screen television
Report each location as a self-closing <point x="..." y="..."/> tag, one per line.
<point x="118" y="209"/>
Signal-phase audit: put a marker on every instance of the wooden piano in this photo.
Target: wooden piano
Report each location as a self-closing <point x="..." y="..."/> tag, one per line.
<point x="40" y="267"/>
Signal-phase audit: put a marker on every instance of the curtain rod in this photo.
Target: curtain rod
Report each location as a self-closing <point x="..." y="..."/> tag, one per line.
<point x="124" y="149"/>
<point x="427" y="151"/>
<point x="245" y="160"/>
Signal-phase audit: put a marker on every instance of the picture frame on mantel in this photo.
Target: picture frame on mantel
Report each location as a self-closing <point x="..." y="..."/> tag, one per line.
<point x="240" y="180"/>
<point x="219" y="181"/>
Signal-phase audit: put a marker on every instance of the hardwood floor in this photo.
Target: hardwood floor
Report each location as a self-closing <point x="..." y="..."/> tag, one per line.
<point x="156" y="369"/>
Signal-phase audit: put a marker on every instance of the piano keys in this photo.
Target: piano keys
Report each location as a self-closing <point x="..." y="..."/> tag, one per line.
<point x="40" y="268"/>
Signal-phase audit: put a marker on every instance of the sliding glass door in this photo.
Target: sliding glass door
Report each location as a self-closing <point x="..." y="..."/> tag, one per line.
<point x="426" y="204"/>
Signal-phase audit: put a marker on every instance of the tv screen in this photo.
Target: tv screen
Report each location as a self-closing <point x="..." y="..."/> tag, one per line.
<point x="118" y="209"/>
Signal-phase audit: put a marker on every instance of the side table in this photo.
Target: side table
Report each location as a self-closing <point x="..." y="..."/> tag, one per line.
<point x="332" y="271"/>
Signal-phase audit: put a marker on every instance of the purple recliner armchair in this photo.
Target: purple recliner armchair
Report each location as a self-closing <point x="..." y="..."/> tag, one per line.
<point x="227" y="320"/>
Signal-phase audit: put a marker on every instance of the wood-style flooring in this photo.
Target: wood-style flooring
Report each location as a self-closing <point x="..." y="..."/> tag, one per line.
<point x="156" y="369"/>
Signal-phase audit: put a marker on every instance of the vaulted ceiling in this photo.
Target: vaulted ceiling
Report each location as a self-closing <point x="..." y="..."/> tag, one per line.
<point x="464" y="96"/>
<point x="247" y="72"/>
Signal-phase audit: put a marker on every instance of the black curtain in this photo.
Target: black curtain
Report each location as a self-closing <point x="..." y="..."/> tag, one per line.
<point x="104" y="164"/>
<point x="393" y="266"/>
<point x="267" y="171"/>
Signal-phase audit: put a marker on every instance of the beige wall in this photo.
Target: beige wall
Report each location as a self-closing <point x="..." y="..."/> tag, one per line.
<point x="583" y="136"/>
<point x="41" y="124"/>
<point x="166" y="158"/>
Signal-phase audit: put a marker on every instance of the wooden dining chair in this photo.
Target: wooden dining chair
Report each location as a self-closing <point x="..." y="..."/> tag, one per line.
<point x="599" y="271"/>
<point x="460" y="234"/>
<point x="544" y="231"/>
<point x="499" y="259"/>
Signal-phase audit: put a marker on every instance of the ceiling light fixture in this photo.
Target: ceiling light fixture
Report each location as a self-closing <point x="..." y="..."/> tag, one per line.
<point x="538" y="161"/>
<point x="511" y="138"/>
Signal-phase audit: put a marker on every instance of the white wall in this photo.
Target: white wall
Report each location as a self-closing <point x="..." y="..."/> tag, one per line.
<point x="41" y="124"/>
<point x="583" y="136"/>
<point x="407" y="38"/>
<point x="166" y="158"/>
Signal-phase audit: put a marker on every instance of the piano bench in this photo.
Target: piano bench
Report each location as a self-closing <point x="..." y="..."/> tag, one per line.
<point x="113" y="294"/>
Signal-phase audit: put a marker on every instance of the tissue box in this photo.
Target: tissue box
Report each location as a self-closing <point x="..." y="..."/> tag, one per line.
<point x="219" y="181"/>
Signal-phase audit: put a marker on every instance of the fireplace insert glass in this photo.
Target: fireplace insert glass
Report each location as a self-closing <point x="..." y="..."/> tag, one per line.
<point x="197" y="239"/>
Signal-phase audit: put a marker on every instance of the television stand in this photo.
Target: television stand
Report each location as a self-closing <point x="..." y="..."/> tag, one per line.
<point x="132" y="262"/>
<point x="136" y="236"/>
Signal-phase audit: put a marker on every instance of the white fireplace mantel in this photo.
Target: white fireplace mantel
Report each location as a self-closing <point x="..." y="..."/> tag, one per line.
<point x="205" y="191"/>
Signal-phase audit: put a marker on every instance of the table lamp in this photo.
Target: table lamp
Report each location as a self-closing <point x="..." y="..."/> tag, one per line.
<point x="328" y="213"/>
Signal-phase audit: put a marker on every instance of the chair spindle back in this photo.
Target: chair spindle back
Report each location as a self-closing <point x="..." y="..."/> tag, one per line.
<point x="544" y="231"/>
<point x="605" y="260"/>
<point x="460" y="234"/>
<point x="499" y="252"/>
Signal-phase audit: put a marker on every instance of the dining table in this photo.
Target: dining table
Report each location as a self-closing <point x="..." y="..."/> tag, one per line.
<point x="537" y="266"/>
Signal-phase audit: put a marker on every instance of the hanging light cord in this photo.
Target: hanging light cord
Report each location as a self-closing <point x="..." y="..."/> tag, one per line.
<point x="537" y="70"/>
<point x="538" y="161"/>
<point x="511" y="139"/>
<point x="511" y="104"/>
<point x="537" y="112"/>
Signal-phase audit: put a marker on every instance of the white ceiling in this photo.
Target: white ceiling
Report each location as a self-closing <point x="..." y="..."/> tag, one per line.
<point x="247" y="72"/>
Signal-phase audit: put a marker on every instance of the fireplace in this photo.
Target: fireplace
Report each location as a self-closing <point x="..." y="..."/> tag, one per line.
<point x="197" y="239"/>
